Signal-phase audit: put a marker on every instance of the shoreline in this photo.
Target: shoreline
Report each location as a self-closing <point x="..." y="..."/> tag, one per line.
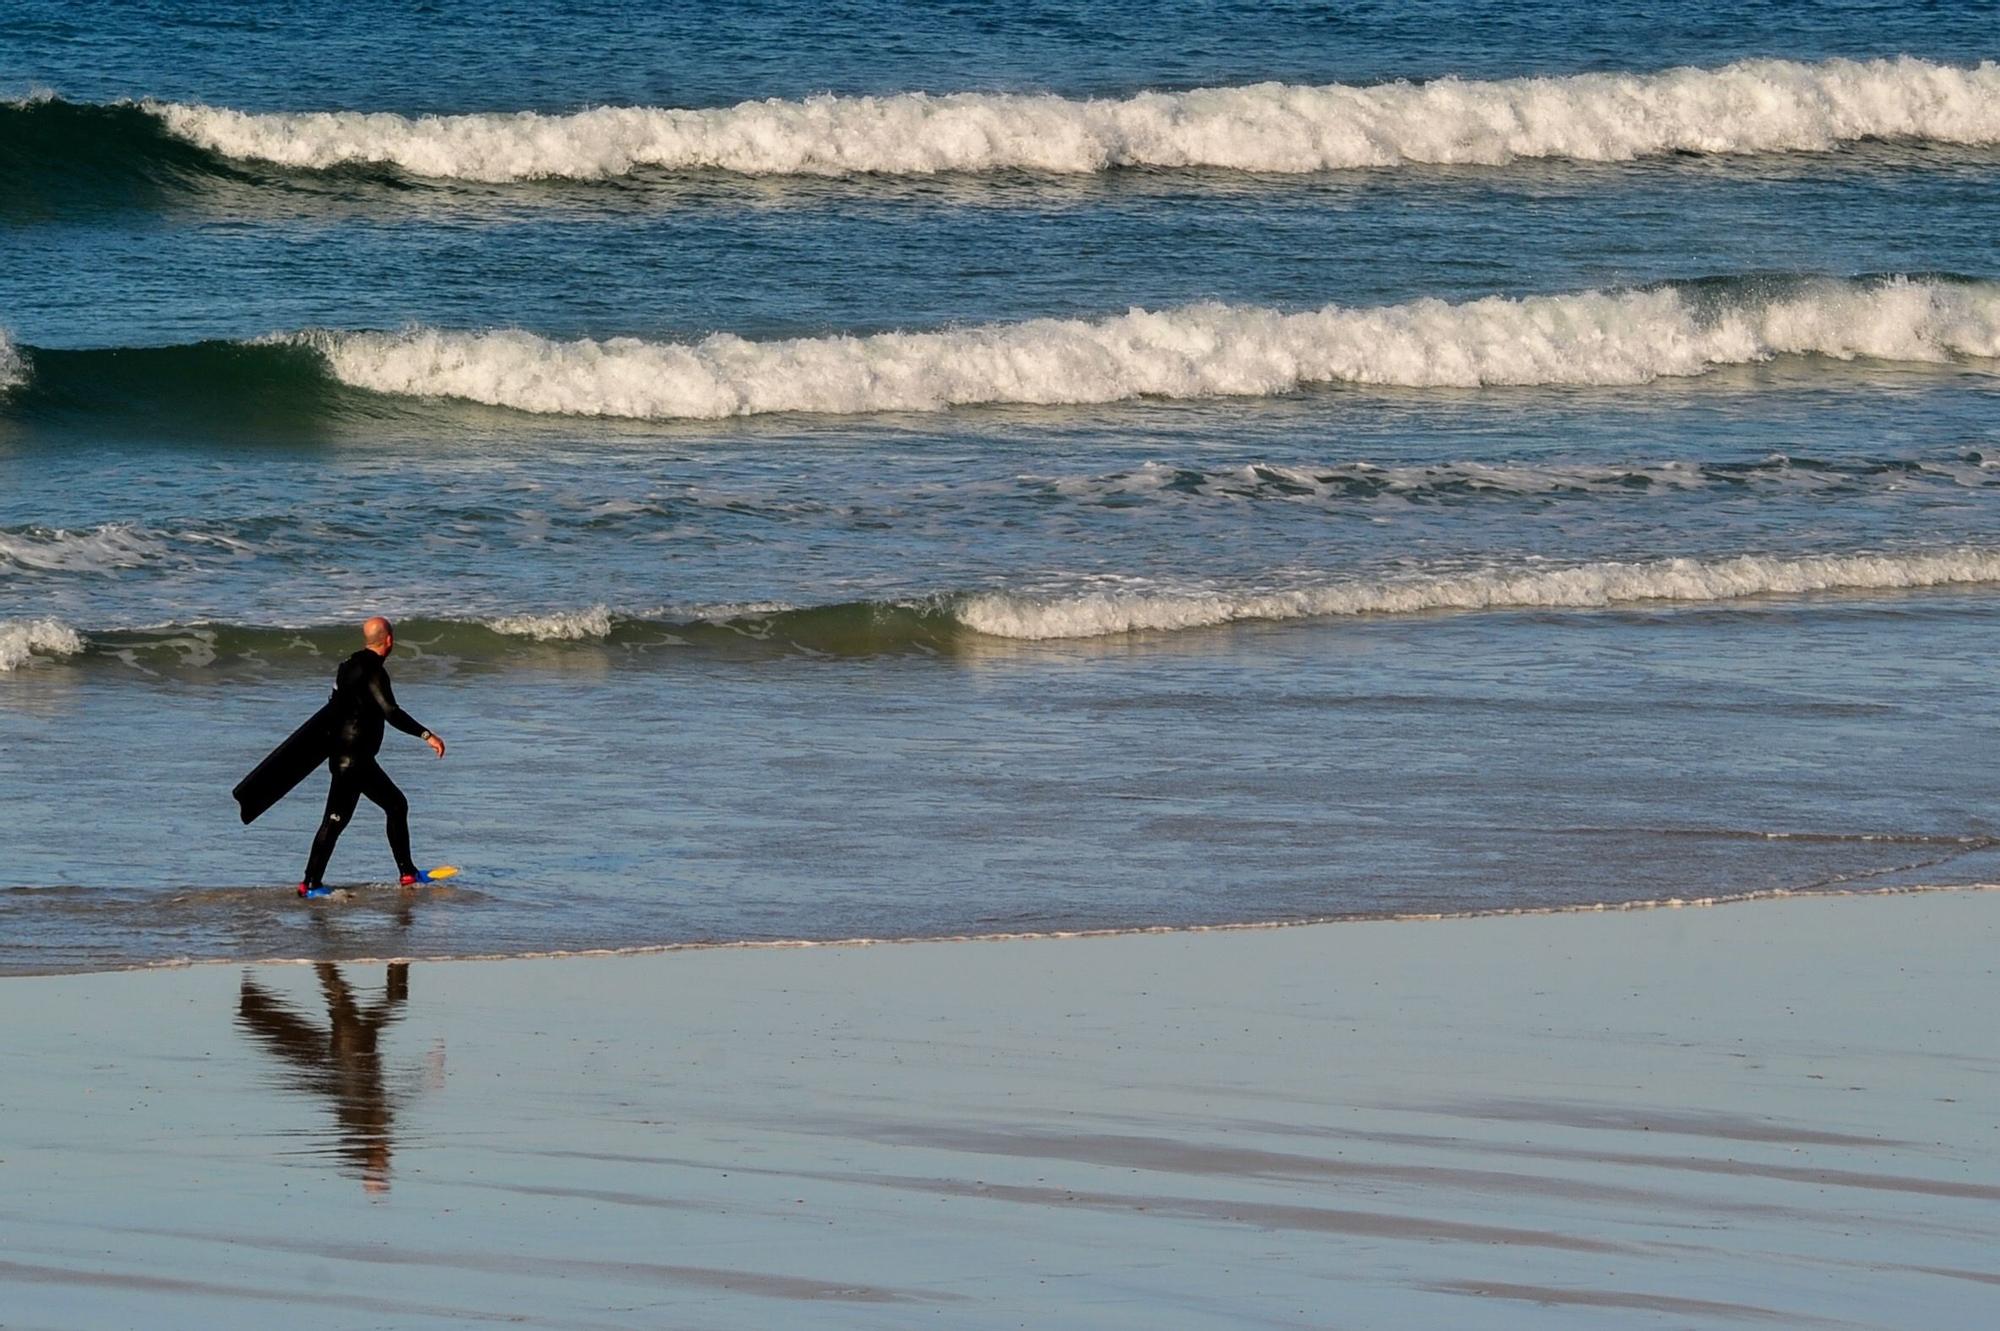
<point x="1759" y="896"/>
<point x="1723" y="1117"/>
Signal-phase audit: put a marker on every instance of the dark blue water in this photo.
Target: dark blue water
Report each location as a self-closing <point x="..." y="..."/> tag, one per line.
<point x="1162" y="475"/>
<point x="506" y="56"/>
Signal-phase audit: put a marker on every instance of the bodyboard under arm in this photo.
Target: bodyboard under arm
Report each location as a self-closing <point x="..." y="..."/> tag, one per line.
<point x="288" y="764"/>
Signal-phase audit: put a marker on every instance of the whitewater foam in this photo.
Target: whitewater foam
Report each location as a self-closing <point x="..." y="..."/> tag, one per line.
<point x="13" y="367"/>
<point x="1749" y="106"/>
<point x="561" y="626"/>
<point x="1588" y="338"/>
<point x="1091" y="614"/>
<point x="97" y="550"/>
<point x="22" y="639"/>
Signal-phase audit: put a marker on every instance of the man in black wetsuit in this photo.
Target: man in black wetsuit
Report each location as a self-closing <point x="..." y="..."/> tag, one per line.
<point x="362" y="701"/>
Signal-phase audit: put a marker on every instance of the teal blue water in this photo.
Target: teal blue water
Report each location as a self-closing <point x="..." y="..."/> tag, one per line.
<point x="895" y="471"/>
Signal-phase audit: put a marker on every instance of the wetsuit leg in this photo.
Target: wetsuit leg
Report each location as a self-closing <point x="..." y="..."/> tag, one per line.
<point x="341" y="798"/>
<point x="377" y="786"/>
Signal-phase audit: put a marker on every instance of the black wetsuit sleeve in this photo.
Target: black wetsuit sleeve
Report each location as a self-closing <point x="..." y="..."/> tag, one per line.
<point x="385" y="698"/>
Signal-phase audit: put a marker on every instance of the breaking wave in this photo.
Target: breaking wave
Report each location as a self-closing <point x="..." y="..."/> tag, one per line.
<point x="21" y="640"/>
<point x="1592" y="338"/>
<point x="1210" y="350"/>
<point x="13" y="370"/>
<point x="561" y="626"/>
<point x="1746" y="107"/>
<point x="945" y="623"/>
<point x="1088" y="614"/>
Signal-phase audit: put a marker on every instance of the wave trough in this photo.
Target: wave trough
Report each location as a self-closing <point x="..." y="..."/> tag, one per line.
<point x="1210" y="350"/>
<point x="1466" y="481"/>
<point x="1746" y="107"/>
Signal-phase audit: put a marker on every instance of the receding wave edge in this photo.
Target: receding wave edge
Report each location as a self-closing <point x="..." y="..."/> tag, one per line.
<point x="1760" y="896"/>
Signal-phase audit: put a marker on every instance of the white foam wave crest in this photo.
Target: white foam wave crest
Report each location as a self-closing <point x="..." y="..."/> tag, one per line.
<point x="22" y="639"/>
<point x="560" y="626"/>
<point x="1091" y="614"/>
<point x="1589" y="338"/>
<point x="1749" y="106"/>
<point x="60" y="550"/>
<point x="13" y="367"/>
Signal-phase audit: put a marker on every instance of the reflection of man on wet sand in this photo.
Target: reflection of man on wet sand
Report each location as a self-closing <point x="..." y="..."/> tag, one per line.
<point x="342" y="1063"/>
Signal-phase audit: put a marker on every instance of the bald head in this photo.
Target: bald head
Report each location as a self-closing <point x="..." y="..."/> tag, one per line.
<point x="378" y="634"/>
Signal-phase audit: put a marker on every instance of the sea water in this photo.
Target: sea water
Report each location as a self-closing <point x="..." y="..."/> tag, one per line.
<point x="888" y="471"/>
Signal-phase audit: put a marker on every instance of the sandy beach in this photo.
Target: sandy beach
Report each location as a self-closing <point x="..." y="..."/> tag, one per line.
<point x="1775" y="1113"/>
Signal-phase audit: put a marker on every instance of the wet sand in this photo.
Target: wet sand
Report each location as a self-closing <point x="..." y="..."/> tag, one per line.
<point x="1778" y="1113"/>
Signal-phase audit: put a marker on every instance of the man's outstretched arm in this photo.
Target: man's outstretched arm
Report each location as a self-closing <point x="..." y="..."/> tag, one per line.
<point x="385" y="698"/>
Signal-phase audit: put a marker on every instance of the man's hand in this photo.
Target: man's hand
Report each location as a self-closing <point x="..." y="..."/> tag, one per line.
<point x="437" y="745"/>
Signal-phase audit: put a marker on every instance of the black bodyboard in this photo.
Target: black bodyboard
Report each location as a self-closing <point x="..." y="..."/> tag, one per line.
<point x="288" y="764"/>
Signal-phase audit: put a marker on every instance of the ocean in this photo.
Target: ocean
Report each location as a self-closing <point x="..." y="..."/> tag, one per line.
<point x="882" y="471"/>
